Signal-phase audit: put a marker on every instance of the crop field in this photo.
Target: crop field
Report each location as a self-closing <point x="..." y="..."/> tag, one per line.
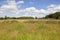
<point x="29" y="30"/>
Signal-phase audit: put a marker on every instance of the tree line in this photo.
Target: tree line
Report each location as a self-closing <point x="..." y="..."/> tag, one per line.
<point x="54" y="15"/>
<point x="17" y="18"/>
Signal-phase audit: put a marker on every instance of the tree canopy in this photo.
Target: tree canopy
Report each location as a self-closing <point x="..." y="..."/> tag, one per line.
<point x="54" y="15"/>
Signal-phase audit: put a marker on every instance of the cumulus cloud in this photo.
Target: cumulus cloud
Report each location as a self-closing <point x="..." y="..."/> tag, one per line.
<point x="31" y="11"/>
<point x="53" y="8"/>
<point x="50" y="9"/>
<point x="11" y="6"/>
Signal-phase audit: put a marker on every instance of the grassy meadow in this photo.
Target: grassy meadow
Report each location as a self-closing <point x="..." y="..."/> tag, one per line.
<point x="29" y="30"/>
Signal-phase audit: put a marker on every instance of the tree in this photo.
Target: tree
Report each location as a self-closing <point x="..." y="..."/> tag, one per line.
<point x="5" y="17"/>
<point x="35" y="17"/>
<point x="54" y="15"/>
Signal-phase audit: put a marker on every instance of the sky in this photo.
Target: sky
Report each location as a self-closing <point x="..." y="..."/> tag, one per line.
<point x="34" y="8"/>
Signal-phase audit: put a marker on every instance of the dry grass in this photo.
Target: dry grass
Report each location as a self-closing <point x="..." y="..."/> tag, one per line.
<point x="29" y="30"/>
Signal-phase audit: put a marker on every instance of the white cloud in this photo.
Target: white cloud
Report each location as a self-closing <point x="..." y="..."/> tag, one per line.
<point x="20" y="2"/>
<point x="50" y="9"/>
<point x="11" y="6"/>
<point x="32" y="11"/>
<point x="53" y="8"/>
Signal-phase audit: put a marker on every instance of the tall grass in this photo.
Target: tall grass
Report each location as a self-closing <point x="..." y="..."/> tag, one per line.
<point x="30" y="30"/>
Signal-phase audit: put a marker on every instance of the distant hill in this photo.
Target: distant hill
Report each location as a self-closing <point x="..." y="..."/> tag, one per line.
<point x="54" y="15"/>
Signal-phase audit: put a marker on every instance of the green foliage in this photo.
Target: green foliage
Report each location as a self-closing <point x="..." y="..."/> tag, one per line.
<point x="54" y="15"/>
<point x="26" y="18"/>
<point x="1" y="18"/>
<point x="17" y="17"/>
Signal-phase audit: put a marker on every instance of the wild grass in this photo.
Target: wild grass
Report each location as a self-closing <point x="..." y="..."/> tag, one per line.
<point x="29" y="30"/>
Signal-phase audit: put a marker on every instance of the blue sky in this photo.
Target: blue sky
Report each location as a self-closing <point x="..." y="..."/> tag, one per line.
<point x="34" y="8"/>
<point x="39" y="4"/>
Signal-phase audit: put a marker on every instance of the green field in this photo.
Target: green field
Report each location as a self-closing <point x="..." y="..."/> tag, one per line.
<point x="29" y="30"/>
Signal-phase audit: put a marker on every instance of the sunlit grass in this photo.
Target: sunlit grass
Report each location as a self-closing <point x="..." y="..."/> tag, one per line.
<point x="29" y="30"/>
